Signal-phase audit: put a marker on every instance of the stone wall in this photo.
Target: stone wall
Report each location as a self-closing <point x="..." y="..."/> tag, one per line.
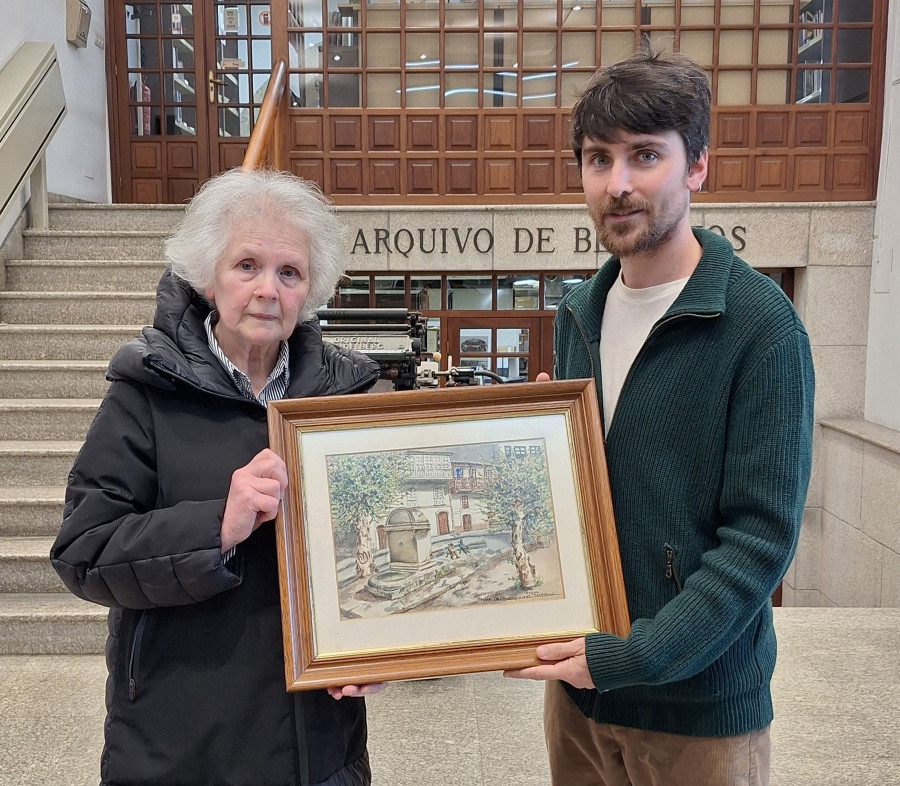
<point x="849" y="552"/>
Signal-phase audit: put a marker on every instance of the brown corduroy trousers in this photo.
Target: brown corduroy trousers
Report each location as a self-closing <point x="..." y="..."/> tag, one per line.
<point x="586" y="753"/>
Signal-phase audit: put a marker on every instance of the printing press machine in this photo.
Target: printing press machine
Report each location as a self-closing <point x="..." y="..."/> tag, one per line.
<point x="395" y="339"/>
<point x="392" y="337"/>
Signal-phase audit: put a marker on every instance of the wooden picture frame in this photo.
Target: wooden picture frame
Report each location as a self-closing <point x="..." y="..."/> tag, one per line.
<point x="401" y="535"/>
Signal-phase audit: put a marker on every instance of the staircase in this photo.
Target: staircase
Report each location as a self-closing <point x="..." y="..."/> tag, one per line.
<point x="86" y="286"/>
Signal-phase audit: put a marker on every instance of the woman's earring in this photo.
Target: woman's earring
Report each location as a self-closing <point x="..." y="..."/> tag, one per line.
<point x="699" y="188"/>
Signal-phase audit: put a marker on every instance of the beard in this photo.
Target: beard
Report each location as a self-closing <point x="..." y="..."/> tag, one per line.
<point x="624" y="239"/>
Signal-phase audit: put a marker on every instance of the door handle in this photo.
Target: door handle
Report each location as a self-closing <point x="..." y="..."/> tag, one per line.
<point x="212" y="85"/>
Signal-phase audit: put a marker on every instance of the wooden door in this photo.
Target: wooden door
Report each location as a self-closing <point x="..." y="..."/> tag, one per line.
<point x="187" y="83"/>
<point x="158" y="99"/>
<point x="513" y="347"/>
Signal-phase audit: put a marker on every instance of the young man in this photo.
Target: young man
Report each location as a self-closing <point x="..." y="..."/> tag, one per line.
<point x="706" y="384"/>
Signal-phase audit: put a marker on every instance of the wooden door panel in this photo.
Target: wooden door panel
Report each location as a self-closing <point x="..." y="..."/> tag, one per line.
<point x="231" y="155"/>
<point x="182" y="157"/>
<point x="181" y="190"/>
<point x="145" y="191"/>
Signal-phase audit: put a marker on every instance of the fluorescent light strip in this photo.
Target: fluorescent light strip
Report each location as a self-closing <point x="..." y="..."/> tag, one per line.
<point x="421" y="88"/>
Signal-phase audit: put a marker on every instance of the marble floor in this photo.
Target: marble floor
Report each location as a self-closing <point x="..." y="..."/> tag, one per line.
<point x="836" y="693"/>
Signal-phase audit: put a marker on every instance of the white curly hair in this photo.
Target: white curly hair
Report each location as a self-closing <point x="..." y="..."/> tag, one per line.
<point x="201" y="238"/>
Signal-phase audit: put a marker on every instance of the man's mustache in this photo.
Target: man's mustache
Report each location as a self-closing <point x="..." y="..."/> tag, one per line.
<point x="620" y="205"/>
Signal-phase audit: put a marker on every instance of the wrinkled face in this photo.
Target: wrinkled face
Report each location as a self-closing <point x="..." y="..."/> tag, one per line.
<point x="261" y="284"/>
<point x="638" y="189"/>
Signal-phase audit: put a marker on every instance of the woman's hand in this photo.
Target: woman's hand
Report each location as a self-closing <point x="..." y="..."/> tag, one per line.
<point x="356" y="691"/>
<point x="254" y="497"/>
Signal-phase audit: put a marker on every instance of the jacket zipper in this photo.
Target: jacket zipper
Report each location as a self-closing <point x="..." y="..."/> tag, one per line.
<point x="583" y="337"/>
<point x="665" y="320"/>
<point x="671" y="571"/>
<point x="594" y="370"/>
<point x="653" y="331"/>
<point x="134" y="657"/>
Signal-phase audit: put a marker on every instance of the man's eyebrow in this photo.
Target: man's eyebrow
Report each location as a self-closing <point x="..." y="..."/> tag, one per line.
<point x="650" y="141"/>
<point x="638" y="144"/>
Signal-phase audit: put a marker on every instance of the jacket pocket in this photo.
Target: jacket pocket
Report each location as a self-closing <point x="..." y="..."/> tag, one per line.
<point x="134" y="654"/>
<point x="671" y="568"/>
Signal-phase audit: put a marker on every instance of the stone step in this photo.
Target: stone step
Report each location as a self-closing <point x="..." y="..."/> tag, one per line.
<point x="46" y="418"/>
<point x="83" y="275"/>
<point x="92" y="244"/>
<point x="77" y="308"/>
<point x="37" y="462"/>
<point x="25" y="566"/>
<point x="107" y="218"/>
<point x="63" y="342"/>
<point x="51" y="624"/>
<point x="31" y="511"/>
<point x="53" y="378"/>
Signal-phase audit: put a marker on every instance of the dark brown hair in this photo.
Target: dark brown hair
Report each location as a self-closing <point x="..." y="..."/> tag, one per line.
<point x="647" y="93"/>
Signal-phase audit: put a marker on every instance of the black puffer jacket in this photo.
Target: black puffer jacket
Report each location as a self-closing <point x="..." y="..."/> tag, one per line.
<point x="196" y="689"/>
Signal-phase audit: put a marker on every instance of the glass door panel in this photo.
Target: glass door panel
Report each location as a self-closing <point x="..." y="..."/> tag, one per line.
<point x="240" y="67"/>
<point x="159" y="47"/>
<point x="475" y="340"/>
<point x="504" y="345"/>
<point x="473" y="343"/>
<point x="479" y="364"/>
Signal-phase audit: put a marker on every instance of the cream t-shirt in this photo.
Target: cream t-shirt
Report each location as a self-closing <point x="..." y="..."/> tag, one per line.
<point x="627" y="319"/>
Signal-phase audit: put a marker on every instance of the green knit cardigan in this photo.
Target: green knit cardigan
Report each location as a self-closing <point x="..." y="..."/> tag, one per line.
<point x="709" y="456"/>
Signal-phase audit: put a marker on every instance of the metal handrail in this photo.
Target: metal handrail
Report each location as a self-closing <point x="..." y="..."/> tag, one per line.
<point x="266" y="136"/>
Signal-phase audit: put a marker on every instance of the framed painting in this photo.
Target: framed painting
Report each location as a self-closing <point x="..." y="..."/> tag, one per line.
<point x="427" y="533"/>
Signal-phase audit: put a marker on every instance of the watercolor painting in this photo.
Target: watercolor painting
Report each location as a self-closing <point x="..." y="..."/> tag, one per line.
<point x="451" y="527"/>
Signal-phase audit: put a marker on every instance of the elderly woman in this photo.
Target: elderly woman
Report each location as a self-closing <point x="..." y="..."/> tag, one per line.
<point x="169" y="504"/>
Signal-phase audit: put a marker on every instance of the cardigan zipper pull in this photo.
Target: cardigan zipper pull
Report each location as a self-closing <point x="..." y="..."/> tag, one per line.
<point x="671" y="572"/>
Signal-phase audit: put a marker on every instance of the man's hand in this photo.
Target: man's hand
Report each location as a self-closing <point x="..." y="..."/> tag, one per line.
<point x="254" y="497"/>
<point x="356" y="691"/>
<point x="565" y="661"/>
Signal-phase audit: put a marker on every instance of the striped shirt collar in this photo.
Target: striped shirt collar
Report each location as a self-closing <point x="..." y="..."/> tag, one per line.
<point x="277" y="383"/>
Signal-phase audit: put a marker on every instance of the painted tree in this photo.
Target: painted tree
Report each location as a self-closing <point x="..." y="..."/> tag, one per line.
<point x="517" y="498"/>
<point x="363" y="487"/>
